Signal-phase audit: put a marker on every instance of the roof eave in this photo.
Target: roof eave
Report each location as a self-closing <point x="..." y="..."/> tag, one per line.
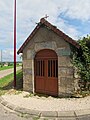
<point x="26" y="41"/>
<point x="53" y="28"/>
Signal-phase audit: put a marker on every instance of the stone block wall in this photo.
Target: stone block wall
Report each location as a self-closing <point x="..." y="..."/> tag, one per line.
<point x="46" y="39"/>
<point x="27" y="75"/>
<point x="65" y="81"/>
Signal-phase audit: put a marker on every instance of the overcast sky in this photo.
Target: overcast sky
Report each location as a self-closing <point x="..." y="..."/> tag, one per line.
<point x="70" y="16"/>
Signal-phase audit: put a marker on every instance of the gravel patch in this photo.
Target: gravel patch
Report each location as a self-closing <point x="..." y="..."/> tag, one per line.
<point x="48" y="104"/>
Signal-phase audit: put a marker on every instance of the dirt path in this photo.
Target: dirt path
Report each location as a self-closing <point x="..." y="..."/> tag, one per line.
<point x="7" y="72"/>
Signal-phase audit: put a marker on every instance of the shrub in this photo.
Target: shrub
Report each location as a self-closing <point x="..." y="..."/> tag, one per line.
<point x="81" y="60"/>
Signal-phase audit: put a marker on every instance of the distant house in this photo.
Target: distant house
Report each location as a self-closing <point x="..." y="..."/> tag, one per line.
<point x="47" y="66"/>
<point x="6" y="64"/>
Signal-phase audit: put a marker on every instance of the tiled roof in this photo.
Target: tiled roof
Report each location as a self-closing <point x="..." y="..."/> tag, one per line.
<point x="54" y="29"/>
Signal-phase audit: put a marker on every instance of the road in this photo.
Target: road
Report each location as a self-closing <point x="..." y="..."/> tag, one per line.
<point x="7" y="72"/>
<point x="6" y="114"/>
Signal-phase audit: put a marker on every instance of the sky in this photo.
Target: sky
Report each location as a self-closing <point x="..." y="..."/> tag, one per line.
<point x="70" y="16"/>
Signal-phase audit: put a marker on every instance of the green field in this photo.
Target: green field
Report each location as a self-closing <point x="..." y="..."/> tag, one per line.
<point x="6" y="83"/>
<point x="5" y="67"/>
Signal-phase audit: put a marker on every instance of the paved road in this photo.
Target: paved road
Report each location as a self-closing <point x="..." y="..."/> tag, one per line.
<point x="7" y="72"/>
<point x="7" y="114"/>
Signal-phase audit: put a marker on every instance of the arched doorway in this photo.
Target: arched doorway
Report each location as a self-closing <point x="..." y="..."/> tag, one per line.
<point x="46" y="72"/>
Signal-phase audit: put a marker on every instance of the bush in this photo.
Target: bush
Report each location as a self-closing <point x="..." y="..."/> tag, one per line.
<point x="81" y="60"/>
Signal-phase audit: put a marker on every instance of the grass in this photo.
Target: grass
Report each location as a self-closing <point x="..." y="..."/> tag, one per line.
<point x="6" y="83"/>
<point x="7" y="67"/>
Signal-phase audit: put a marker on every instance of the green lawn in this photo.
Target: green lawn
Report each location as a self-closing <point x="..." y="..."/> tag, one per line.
<point x="5" y="67"/>
<point x="6" y="83"/>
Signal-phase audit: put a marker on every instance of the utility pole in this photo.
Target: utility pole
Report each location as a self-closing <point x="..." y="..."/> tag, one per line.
<point x="1" y="58"/>
<point x="14" y="43"/>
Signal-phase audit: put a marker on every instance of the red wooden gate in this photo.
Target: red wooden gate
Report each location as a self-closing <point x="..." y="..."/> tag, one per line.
<point x="46" y="72"/>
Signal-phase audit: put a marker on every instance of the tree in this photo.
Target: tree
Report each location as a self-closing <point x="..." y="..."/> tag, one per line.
<point x="81" y="59"/>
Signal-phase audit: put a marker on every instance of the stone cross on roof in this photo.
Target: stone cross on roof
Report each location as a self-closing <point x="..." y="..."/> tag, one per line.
<point x="46" y="16"/>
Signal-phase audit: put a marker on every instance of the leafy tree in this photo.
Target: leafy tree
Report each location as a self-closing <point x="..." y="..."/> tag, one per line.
<point x="81" y="59"/>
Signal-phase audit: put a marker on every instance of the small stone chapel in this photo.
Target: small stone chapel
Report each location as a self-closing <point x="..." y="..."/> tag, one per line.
<point x="47" y="61"/>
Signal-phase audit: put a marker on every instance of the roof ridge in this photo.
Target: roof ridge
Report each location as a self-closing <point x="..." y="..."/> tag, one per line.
<point x="59" y="32"/>
<point x="54" y="29"/>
